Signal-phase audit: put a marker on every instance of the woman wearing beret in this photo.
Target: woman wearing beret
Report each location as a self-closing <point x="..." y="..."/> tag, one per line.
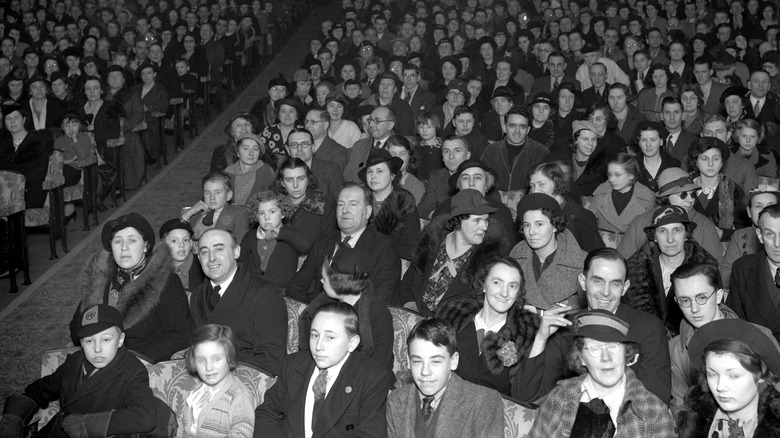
<point x="136" y="277"/>
<point x="26" y="152"/>
<point x="606" y="399"/>
<point x="740" y="364"/>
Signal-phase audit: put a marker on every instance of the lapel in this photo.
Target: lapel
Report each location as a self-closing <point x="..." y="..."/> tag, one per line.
<point x="298" y="383"/>
<point x="469" y="353"/>
<point x="761" y="298"/>
<point x="451" y="406"/>
<point x="339" y="397"/>
<point x="232" y="298"/>
<point x="225" y="217"/>
<point x="409" y="407"/>
<point x="366" y="241"/>
<point x="97" y="381"/>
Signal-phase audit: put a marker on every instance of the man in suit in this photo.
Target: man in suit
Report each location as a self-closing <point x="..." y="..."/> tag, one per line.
<point x="300" y="143"/>
<point x="388" y="85"/>
<point x="326" y="148"/>
<point x="627" y="115"/>
<point x="440" y="403"/>
<point x="352" y="214"/>
<point x="454" y="150"/>
<point x="604" y="281"/>
<point x="711" y="90"/>
<point x="612" y="72"/>
<point x="232" y="296"/>
<point x="214" y="210"/>
<point x="418" y="98"/>
<point x="330" y="391"/>
<point x="761" y="99"/>
<point x="215" y="52"/>
<point x="384" y="37"/>
<point x="755" y="280"/>
<point x="556" y="65"/>
<point x="381" y="124"/>
<point x="598" y="92"/>
<point x="611" y="49"/>
<point x="679" y="140"/>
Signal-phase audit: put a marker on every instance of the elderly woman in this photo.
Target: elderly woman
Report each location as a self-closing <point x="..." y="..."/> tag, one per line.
<point x="493" y="123"/>
<point x="264" y="109"/>
<point x="450" y="252"/>
<point x="275" y="136"/>
<point x="343" y="131"/>
<point x="238" y="125"/>
<point x="272" y="252"/>
<point x="607" y="399"/>
<point x="26" y="152"/>
<point x="669" y="245"/>
<point x="155" y="100"/>
<point x="249" y="173"/>
<point x="621" y="199"/>
<point x="692" y="100"/>
<point x="739" y="363"/>
<point x="400" y="147"/>
<point x="488" y="320"/>
<point x="136" y="277"/>
<point x="719" y="198"/>
<point x="450" y="68"/>
<point x="649" y="138"/>
<point x="748" y="136"/>
<point x="44" y="112"/>
<point x="587" y="162"/>
<point x="456" y="95"/>
<point x="345" y="279"/>
<point x="550" y="252"/>
<point x="650" y="98"/>
<point x="733" y="101"/>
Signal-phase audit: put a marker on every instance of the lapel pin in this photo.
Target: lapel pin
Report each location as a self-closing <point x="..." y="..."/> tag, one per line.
<point x="348" y="389"/>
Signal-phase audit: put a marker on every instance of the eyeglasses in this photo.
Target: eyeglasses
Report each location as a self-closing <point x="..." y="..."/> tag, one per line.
<point x="456" y="93"/>
<point x="700" y="299"/>
<point x="299" y="146"/>
<point x="684" y="195"/>
<point x="594" y="351"/>
<point x="372" y="121"/>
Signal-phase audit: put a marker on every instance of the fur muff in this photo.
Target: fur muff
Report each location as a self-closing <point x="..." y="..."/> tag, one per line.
<point x="520" y="328"/>
<point x="314" y="202"/>
<point x="395" y="208"/>
<point x="140" y="296"/>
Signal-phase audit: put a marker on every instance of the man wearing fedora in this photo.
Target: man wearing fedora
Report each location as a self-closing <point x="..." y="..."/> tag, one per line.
<point x="387" y="96"/>
<point x="381" y="124"/>
<point x="591" y="54"/>
<point x="300" y="144"/>
<point x="325" y="148"/>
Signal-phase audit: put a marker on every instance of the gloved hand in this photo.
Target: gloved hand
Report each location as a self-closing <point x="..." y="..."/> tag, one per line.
<point x="75" y="426"/>
<point x="11" y="426"/>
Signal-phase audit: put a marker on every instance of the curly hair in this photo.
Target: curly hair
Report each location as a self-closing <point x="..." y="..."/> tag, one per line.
<point x="487" y="265"/>
<point x="289" y="164"/>
<point x="282" y="201"/>
<point x="401" y="141"/>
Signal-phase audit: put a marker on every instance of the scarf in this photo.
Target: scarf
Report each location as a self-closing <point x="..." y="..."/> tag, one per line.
<point x="120" y="280"/>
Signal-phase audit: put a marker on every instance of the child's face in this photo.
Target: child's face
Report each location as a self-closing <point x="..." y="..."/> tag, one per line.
<point x="211" y="362"/>
<point x="182" y="68"/>
<point x="431" y="366"/>
<point x="352" y="91"/>
<point x="101" y="348"/>
<point x="216" y="195"/>
<point x="611" y="11"/>
<point x="71" y="127"/>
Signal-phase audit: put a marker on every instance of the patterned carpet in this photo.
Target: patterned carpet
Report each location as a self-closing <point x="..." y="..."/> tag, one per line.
<point x="40" y="321"/>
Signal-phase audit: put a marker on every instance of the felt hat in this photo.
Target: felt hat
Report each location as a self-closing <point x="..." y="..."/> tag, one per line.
<point x="740" y="330"/>
<point x="537" y="201"/>
<point x="290" y="101"/>
<point x="174" y="224"/>
<point x="674" y="180"/>
<point x="579" y="125"/>
<point x="255" y="138"/>
<point x="379" y="156"/>
<point x="98" y="318"/>
<point x="541" y="98"/>
<point x="503" y="91"/>
<point x="469" y="201"/>
<point x="134" y="220"/>
<point x="736" y="90"/>
<point x="351" y="261"/>
<point x="601" y="325"/>
<point x="469" y="164"/>
<point x="669" y="214"/>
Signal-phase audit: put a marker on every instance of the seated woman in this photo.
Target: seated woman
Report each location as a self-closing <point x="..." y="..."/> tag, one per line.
<point x="486" y="323"/>
<point x="607" y="399"/>
<point x="549" y="255"/>
<point x="587" y="161"/>
<point x="748" y="137"/>
<point x="451" y="251"/>
<point x="136" y="277"/>
<point x="274" y="137"/>
<point x="602" y="117"/>
<point x="650" y="98"/>
<point x="668" y="246"/>
<point x="76" y="148"/>
<point x="249" y="174"/>
<point x="220" y="404"/>
<point x="741" y="364"/>
<point x="394" y="209"/>
<point x="238" y="125"/>
<point x="272" y="252"/>
<point x="177" y="234"/>
<point x="345" y="279"/>
<point x="400" y="147"/>
<point x="649" y="138"/>
<point x="550" y="179"/>
<point x="621" y="199"/>
<point x="427" y="152"/>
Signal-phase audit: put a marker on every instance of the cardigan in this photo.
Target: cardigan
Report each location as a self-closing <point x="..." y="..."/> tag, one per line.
<point x="231" y="413"/>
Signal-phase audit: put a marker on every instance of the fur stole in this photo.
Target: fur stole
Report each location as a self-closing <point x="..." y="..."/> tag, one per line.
<point x="390" y="217"/>
<point x="695" y="419"/>
<point x="140" y="296"/>
<point x="520" y="328"/>
<point x="314" y="202"/>
<point x="727" y="198"/>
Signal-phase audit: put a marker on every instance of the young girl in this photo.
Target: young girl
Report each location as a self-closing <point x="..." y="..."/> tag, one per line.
<point x="76" y="147"/>
<point x="428" y="150"/>
<point x="749" y="136"/>
<point x="220" y="406"/>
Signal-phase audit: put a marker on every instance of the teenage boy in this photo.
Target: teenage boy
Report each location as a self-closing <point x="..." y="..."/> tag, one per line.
<point x="215" y="210"/>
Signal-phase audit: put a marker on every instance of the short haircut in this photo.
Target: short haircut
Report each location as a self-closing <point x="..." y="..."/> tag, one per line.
<point x="574" y="356"/>
<point x="772" y="210"/>
<point x="671" y="100"/>
<point x="610" y="254"/>
<point x="289" y="164"/>
<point x="462" y="109"/>
<point x="456" y="137"/>
<point x="436" y="331"/>
<point x="346" y="312"/>
<point x="368" y="195"/>
<point x="298" y="131"/>
<point x="220" y="334"/>
<point x="518" y="111"/>
<point x="628" y="163"/>
<point x="218" y="177"/>
<point x="688" y="270"/>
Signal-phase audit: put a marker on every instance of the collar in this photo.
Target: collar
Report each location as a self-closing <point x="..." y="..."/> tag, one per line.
<point x="613" y="399"/>
<point x="333" y="372"/>
<point x="754" y="100"/>
<point x="772" y="267"/>
<point x="225" y="284"/>
<point x="436" y="397"/>
<point x="353" y="237"/>
<point x="479" y="323"/>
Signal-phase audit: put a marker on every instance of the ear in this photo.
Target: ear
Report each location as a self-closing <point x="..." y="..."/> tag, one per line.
<point x="581" y="278"/>
<point x="236" y="251"/>
<point x="121" y="340"/>
<point x="455" y="361"/>
<point x="634" y="360"/>
<point x="626" y="285"/>
<point x="719" y="296"/>
<point x="353" y="343"/>
<point x="230" y="195"/>
<point x="760" y="237"/>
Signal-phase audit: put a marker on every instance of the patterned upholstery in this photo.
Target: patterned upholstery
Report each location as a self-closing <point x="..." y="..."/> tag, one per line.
<point x="518" y="419"/>
<point x="403" y="322"/>
<point x="510" y="199"/>
<point x="11" y="193"/>
<point x="36" y="217"/>
<point x="294" y="310"/>
<point x="75" y="193"/>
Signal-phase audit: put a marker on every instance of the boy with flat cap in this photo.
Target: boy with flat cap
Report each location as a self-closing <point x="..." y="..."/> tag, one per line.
<point x="103" y="389"/>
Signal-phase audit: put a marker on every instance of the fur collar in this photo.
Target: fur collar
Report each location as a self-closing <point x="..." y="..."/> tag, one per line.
<point x="140" y="296"/>
<point x="520" y="328"/>
<point x="314" y="202"/>
<point x="390" y="217"/>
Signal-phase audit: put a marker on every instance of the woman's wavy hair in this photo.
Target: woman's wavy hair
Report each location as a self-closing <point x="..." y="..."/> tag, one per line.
<point x="747" y="123"/>
<point x="220" y="334"/>
<point x="484" y="270"/>
<point x="400" y="140"/>
<point x="554" y="173"/>
<point x="289" y="164"/>
<point x="282" y="201"/>
<point x="612" y="122"/>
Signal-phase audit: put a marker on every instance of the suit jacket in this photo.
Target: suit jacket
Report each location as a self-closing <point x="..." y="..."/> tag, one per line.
<point x="234" y="218"/>
<point x="633" y="118"/>
<point x="358" y="157"/>
<point x="256" y="312"/>
<point x="31" y="158"/>
<point x="712" y="104"/>
<point x="749" y="296"/>
<point x="767" y="113"/>
<point x="354" y="406"/>
<point x="332" y="151"/>
<point x="385" y="42"/>
<point x="437" y="191"/>
<point x="590" y="96"/>
<point x="328" y="175"/>
<point x="385" y="266"/>
<point x="422" y="100"/>
<point x="465" y="410"/>
<point x="544" y="84"/>
<point x="55" y="109"/>
<point x="680" y="149"/>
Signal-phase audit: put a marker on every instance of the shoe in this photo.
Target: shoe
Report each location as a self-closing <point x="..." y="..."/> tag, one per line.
<point x="70" y="217"/>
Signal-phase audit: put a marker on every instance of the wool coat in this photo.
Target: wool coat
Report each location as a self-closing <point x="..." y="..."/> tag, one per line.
<point x="750" y="295"/>
<point x="154" y="305"/>
<point x="31" y="158"/>
<point x="743" y="242"/>
<point x="437" y="191"/>
<point x="315" y="217"/>
<point x="724" y="207"/>
<point x="233" y="218"/>
<point x="333" y="152"/>
<point x="231" y="413"/>
<point x="328" y="175"/>
<point x="613" y="224"/>
<point x="282" y="262"/>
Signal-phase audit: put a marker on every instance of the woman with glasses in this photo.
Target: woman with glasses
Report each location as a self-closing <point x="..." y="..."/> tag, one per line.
<point x="631" y="45"/>
<point x="456" y="95"/>
<point x="264" y="109"/>
<point x="720" y="198"/>
<point x="450" y="69"/>
<point x="607" y="392"/>
<point x="692" y="99"/>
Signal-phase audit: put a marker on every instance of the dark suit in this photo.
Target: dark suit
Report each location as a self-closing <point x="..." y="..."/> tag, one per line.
<point x="358" y="157"/>
<point x="544" y="84"/>
<point x="233" y="219"/>
<point x="385" y="266"/>
<point x="767" y="111"/>
<point x="332" y="151"/>
<point x="32" y="159"/>
<point x="422" y="100"/>
<point x="354" y="406"/>
<point x="328" y="175"/>
<point x="590" y="96"/>
<point x="633" y="118"/>
<point x="750" y="295"/>
<point x="256" y="312"/>
<point x="437" y="191"/>
<point x="712" y="104"/>
<point x="680" y="148"/>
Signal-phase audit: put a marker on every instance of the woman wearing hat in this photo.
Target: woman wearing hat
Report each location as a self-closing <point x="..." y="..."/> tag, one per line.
<point x="394" y="209"/>
<point x="342" y="130"/>
<point x="289" y="110"/>
<point x="13" y="91"/>
<point x="490" y="323"/>
<point x="155" y="101"/>
<point x="264" y="109"/>
<point x="650" y="138"/>
<point x="45" y="113"/>
<point x="669" y="245"/>
<point x="26" y="152"/>
<point x="738" y="398"/>
<point x="133" y="151"/>
<point x="249" y="173"/>
<point x="136" y="277"/>
<point x="542" y="129"/>
<point x="238" y="125"/>
<point x="549" y="252"/>
<point x="719" y="198"/>
<point x="493" y="123"/>
<point x="485" y="66"/>
<point x="450" y="253"/>
<point x="607" y="399"/>
<point x="587" y="161"/>
<point x="732" y="100"/>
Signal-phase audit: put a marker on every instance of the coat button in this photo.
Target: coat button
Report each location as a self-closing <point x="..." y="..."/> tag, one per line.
<point x="281" y="416"/>
<point x="350" y="426"/>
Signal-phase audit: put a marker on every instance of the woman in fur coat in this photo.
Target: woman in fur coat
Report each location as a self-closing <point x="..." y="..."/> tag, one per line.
<point x="493" y="330"/>
<point x="136" y="277"/>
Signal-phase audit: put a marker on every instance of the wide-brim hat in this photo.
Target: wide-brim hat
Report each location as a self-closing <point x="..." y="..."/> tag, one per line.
<point x="541" y="98"/>
<point x="537" y="201"/>
<point x="675" y="180"/>
<point x="736" y="330"/>
<point x="469" y="164"/>
<point x="502" y="91"/>
<point x="601" y="325"/>
<point x="174" y="224"/>
<point x="669" y="214"/>
<point x="469" y="201"/>
<point x="765" y="185"/>
<point x="134" y="220"/>
<point x="379" y="156"/>
<point x="290" y="101"/>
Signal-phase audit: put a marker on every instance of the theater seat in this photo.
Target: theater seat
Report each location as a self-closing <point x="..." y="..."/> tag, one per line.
<point x="518" y="418"/>
<point x="294" y="310"/>
<point x="403" y="322"/>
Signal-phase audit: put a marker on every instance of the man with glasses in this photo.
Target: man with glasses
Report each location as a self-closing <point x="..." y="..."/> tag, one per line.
<point x="326" y="148"/>
<point x="418" y="98"/>
<point x="556" y="75"/>
<point x="380" y="127"/>
<point x="300" y="144"/>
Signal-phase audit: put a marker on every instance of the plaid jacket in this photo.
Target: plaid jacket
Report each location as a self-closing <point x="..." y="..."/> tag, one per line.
<point x="641" y="415"/>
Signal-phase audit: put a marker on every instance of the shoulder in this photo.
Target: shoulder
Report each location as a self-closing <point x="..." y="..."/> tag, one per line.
<point x="642" y="192"/>
<point x="748" y="262"/>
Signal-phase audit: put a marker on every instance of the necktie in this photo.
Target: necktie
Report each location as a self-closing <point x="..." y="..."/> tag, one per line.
<point x="341" y="244"/>
<point x="214" y="297"/>
<point x="557" y="83"/>
<point x="208" y="219"/>
<point x="427" y="409"/>
<point x="408" y="98"/>
<point x="669" y="144"/>
<point x="377" y="144"/>
<point x="641" y="77"/>
<point x="608" y="53"/>
<point x="757" y="108"/>
<point x="777" y="278"/>
<point x="320" y="383"/>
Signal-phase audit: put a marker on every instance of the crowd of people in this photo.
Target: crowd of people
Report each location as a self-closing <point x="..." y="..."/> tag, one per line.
<point x="581" y="200"/>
